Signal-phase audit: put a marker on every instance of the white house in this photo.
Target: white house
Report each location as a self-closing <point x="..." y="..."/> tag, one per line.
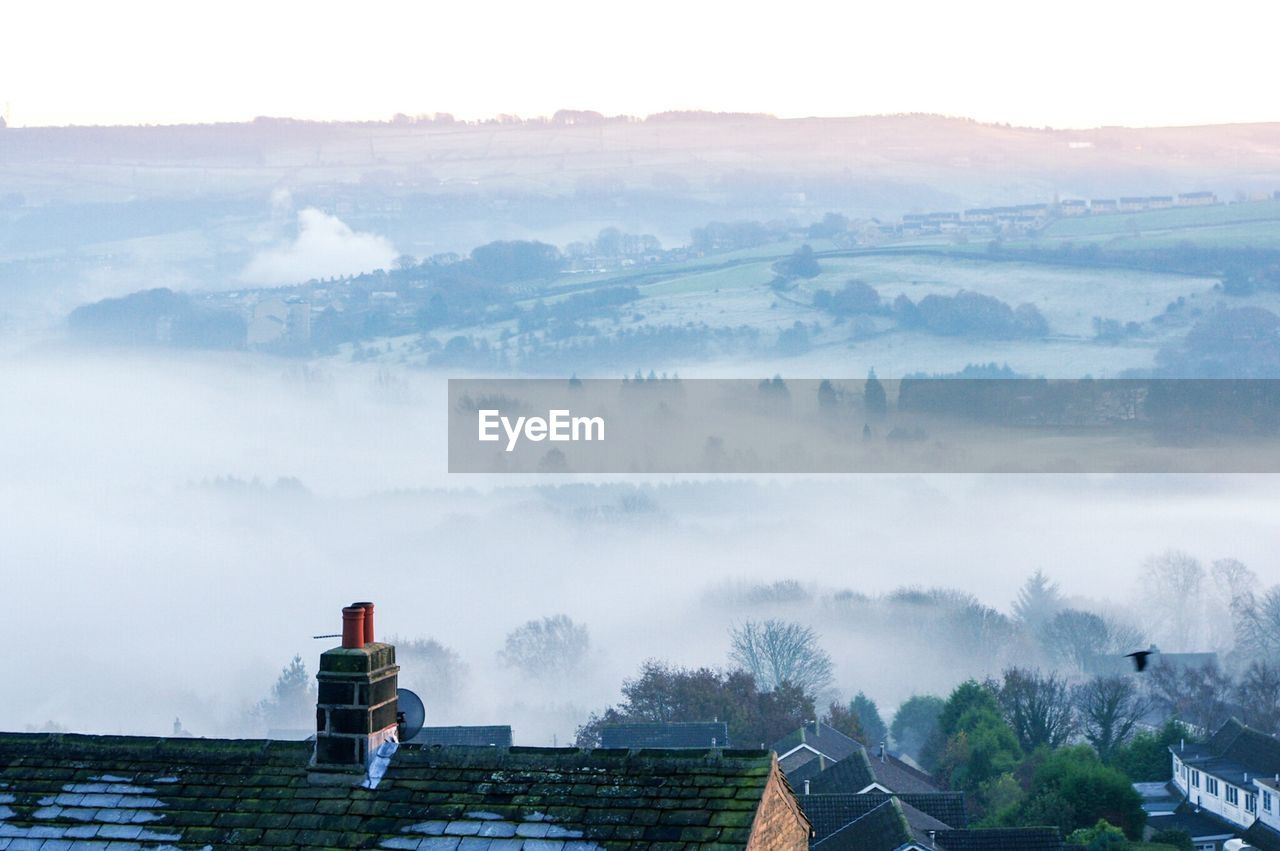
<point x="1234" y="778"/>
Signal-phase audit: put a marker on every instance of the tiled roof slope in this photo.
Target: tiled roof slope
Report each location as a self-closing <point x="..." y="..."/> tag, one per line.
<point x="1251" y="748"/>
<point x="687" y="734"/>
<point x="830" y="812"/>
<point x="225" y="793"/>
<point x="1262" y="837"/>
<point x="882" y="828"/>
<point x="851" y="774"/>
<point x="1001" y="839"/>
<point x="897" y="776"/>
<point x="822" y="738"/>
<point x="472" y="737"/>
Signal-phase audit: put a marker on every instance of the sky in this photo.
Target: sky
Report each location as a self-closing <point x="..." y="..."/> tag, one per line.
<point x="1079" y="64"/>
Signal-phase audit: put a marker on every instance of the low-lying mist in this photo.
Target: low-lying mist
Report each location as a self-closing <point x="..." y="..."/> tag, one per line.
<point x="173" y="532"/>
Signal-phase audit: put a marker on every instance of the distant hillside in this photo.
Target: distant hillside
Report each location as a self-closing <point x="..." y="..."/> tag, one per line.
<point x="868" y="162"/>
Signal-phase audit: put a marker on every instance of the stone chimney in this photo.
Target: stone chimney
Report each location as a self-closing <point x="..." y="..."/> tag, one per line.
<point x="356" y="707"/>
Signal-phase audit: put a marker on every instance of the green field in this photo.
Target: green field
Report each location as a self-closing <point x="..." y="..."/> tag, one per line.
<point x="1188" y="220"/>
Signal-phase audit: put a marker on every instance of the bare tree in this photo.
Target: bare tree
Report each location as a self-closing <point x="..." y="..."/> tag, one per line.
<point x="1259" y="696"/>
<point x="1195" y="695"/>
<point x="1232" y="585"/>
<point x="1257" y="618"/>
<point x="1037" y="706"/>
<point x="1076" y="637"/>
<point x="778" y="652"/>
<point x="1172" y="597"/>
<point x="1109" y="708"/>
<point x="553" y="646"/>
<point x="435" y="671"/>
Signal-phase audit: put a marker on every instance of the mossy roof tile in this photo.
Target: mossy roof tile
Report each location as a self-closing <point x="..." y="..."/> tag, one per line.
<point x="244" y="793"/>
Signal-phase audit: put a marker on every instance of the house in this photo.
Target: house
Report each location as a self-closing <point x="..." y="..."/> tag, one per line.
<point x="357" y="787"/>
<point x="1132" y="204"/>
<point x="497" y="736"/>
<point x="892" y="824"/>
<point x="276" y="320"/>
<point x="1159" y="202"/>
<point x="830" y="812"/>
<point x="1073" y="207"/>
<point x="812" y="741"/>
<point x="1103" y="205"/>
<point x="863" y="773"/>
<point x="980" y="216"/>
<point x="1233" y="780"/>
<point x="691" y="734"/>
<point x="1196" y="199"/>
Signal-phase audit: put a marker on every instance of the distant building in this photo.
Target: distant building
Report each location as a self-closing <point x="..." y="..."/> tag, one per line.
<point x="1103" y="205"/>
<point x="1159" y="202"/>
<point x="692" y="734"/>
<point x="1132" y="204"/>
<point x="1196" y="199"/>
<point x="276" y="321"/>
<point x="1073" y="207"/>
<point x="497" y="736"/>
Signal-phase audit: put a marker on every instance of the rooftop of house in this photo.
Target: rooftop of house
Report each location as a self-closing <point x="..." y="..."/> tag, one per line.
<point x="830" y="812"/>
<point x="1001" y="839"/>
<point x="820" y="738"/>
<point x="245" y="793"/>
<point x="852" y="774"/>
<point x="1198" y="824"/>
<point x="1262" y="836"/>
<point x="474" y="737"/>
<point x="882" y="828"/>
<point x="1235" y="753"/>
<point x="860" y="770"/>
<point x="687" y="734"/>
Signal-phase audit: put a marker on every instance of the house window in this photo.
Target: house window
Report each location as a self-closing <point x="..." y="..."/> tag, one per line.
<point x="1266" y="801"/>
<point x="1195" y="779"/>
<point x="1250" y="802"/>
<point x="1211" y="786"/>
<point x="1233" y="795"/>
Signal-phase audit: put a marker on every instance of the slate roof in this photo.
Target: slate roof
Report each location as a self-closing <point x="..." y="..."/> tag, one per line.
<point x="1251" y="748"/>
<point x="1262" y="837"/>
<point x="822" y="738"/>
<point x="882" y="828"/>
<point x="830" y="812"/>
<point x="687" y="734"/>
<point x="147" y="792"/>
<point x="897" y="776"/>
<point x="1200" y="824"/>
<point x="809" y="771"/>
<point x="472" y="737"/>
<point x="1001" y="839"/>
<point x="850" y="775"/>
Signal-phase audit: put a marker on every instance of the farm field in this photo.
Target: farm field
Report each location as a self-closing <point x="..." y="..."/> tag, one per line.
<point x="1185" y="219"/>
<point x="1069" y="298"/>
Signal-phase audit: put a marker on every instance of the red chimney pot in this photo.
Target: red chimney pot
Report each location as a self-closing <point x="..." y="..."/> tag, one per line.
<point x="368" y="621"/>
<point x="353" y="627"/>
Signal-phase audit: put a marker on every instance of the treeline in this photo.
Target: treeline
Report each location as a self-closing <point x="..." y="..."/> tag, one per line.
<point x="159" y="317"/>
<point x="964" y="313"/>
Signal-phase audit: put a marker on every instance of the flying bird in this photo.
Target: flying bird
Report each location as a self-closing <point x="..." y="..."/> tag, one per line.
<point x="1139" y="659"/>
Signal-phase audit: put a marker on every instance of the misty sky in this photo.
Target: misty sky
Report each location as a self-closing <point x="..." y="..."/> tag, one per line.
<point x="1076" y="64"/>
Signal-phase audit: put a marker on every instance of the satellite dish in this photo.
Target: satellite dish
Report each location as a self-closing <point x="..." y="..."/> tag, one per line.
<point x="410" y="714"/>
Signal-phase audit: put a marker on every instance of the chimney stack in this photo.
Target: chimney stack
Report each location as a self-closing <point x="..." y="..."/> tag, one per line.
<point x="356" y="706"/>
